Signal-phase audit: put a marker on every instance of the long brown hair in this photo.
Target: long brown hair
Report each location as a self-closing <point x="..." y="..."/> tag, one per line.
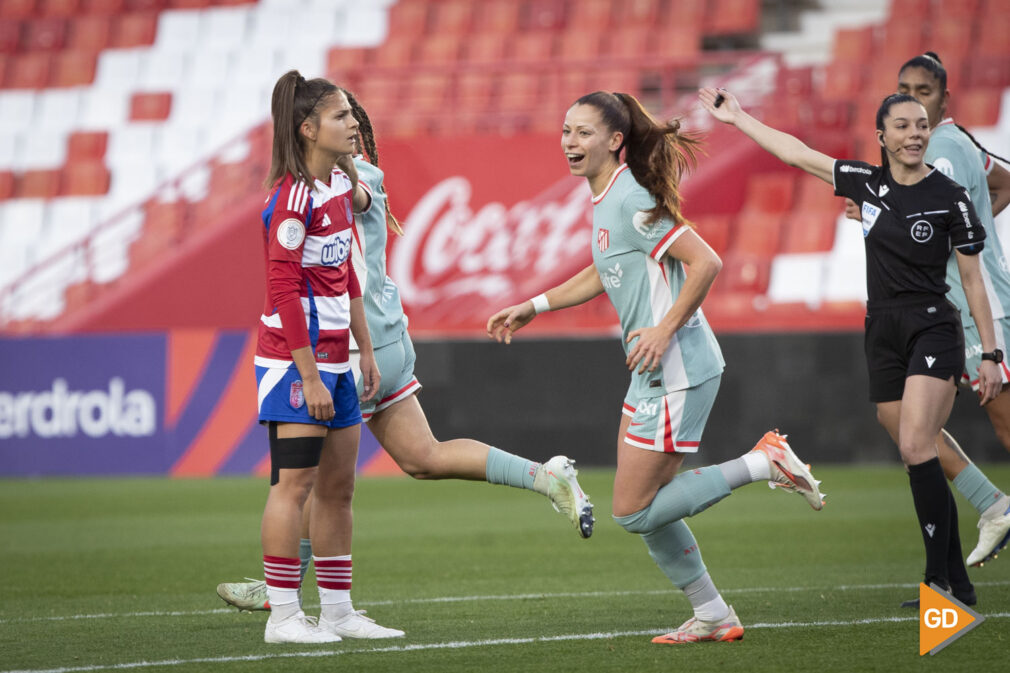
<point x="294" y="100"/>
<point x="657" y="153"/>
<point x="366" y="139"/>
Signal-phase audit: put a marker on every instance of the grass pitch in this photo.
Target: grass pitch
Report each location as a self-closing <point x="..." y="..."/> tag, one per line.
<point x="120" y="574"/>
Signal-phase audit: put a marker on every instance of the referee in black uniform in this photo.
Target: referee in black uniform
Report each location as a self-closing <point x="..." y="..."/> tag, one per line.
<point x="913" y="216"/>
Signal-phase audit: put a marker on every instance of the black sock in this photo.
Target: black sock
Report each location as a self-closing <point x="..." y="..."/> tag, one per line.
<point x="931" y="496"/>
<point x="956" y="571"/>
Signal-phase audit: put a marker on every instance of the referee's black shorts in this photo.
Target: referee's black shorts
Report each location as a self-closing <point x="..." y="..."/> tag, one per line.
<point x="910" y="336"/>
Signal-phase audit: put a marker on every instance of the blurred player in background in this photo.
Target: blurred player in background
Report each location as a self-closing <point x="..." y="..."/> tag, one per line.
<point x="912" y="217"/>
<point x="641" y="247"/>
<point x="955" y="153"/>
<point x="307" y="393"/>
<point x="394" y="414"/>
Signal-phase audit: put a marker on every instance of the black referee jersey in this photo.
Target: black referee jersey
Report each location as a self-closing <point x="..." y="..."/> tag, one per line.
<point x="909" y="230"/>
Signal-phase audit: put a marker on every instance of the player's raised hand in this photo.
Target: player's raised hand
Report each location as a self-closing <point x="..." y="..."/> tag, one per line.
<point x="507" y="321"/>
<point x="720" y="103"/>
<point x="852" y="210"/>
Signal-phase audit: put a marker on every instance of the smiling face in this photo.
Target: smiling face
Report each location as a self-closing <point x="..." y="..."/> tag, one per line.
<point x="905" y="134"/>
<point x="926" y="88"/>
<point x="335" y="130"/>
<point x="588" y="144"/>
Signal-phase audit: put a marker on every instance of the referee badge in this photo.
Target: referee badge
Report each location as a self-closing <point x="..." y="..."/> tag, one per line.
<point x="870" y="214"/>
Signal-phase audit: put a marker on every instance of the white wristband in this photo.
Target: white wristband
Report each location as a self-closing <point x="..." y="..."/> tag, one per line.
<point x="540" y="303"/>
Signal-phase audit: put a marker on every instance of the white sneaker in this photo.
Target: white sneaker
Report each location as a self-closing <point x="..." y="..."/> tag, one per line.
<point x="993" y="535"/>
<point x="566" y="495"/>
<point x="788" y="471"/>
<point x="246" y="596"/>
<point x="298" y="629"/>
<point x="695" y="631"/>
<point x="357" y="625"/>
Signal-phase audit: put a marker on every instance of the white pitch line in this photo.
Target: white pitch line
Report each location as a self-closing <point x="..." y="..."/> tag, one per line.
<point x="452" y="645"/>
<point x="489" y="597"/>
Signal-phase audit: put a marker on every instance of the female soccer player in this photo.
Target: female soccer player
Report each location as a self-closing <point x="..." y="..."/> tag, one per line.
<point x="912" y="216"/>
<point x="393" y="413"/>
<point x="307" y="393"/>
<point x="956" y="154"/>
<point x="642" y="244"/>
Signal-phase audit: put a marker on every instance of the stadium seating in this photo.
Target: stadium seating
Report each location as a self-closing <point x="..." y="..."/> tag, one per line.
<point x="131" y="115"/>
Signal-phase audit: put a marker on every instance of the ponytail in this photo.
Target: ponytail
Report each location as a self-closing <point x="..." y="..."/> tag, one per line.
<point x="294" y="101"/>
<point x="657" y="153"/>
<point x="366" y="140"/>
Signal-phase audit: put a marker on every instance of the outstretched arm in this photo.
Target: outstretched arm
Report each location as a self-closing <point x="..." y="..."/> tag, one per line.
<point x="578" y="289"/>
<point x="789" y="149"/>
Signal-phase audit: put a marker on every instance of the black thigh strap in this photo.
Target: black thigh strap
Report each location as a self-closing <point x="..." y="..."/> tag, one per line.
<point x="292" y="453"/>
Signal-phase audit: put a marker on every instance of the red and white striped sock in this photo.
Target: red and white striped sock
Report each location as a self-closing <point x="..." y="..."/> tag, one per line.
<point x="333" y="576"/>
<point x="283" y="577"/>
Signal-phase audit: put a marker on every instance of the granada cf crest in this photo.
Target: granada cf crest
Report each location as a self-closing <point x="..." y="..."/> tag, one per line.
<point x="297" y="397"/>
<point x="603" y="239"/>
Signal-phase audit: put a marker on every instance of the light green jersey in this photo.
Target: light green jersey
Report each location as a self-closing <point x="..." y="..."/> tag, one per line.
<point x="380" y="296"/>
<point x="643" y="282"/>
<point x="952" y="153"/>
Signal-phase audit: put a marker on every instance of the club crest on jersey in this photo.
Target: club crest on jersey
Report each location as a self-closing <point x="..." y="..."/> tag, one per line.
<point x="603" y="239"/>
<point x="297" y="397"/>
<point x="921" y="231"/>
<point x="870" y="214"/>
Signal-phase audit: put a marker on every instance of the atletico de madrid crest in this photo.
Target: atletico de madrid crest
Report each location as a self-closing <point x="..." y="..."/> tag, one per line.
<point x="603" y="240"/>
<point x="297" y="398"/>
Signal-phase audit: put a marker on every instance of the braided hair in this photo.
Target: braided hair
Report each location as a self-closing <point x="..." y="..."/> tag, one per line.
<point x="366" y="140"/>
<point x="932" y="64"/>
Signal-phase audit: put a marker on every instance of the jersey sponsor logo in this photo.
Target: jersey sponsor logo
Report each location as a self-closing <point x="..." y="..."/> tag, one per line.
<point x="603" y="239"/>
<point x="297" y="395"/>
<point x="640" y="222"/>
<point x="846" y="168"/>
<point x="291" y="233"/>
<point x="944" y="166"/>
<point x="335" y="251"/>
<point x="963" y="207"/>
<point x="870" y="213"/>
<point x="921" y="231"/>
<point x="611" y="278"/>
<point x="61" y="412"/>
<point x="647" y="408"/>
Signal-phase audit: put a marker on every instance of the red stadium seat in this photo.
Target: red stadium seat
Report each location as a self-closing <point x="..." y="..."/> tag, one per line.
<point x="486" y="48"/>
<point x="102" y="7"/>
<point x="10" y="36"/>
<point x="994" y="27"/>
<point x="408" y="19"/>
<point x="519" y="91"/>
<point x="532" y="47"/>
<point x="770" y="192"/>
<point x="136" y="29"/>
<point x="909" y="10"/>
<point x="73" y="68"/>
<point x="639" y="13"/>
<point x="841" y="81"/>
<point x="397" y="53"/>
<point x="148" y="5"/>
<point x="452" y="17"/>
<point x="17" y="9"/>
<point x="44" y="35"/>
<point x="716" y="230"/>
<point x="590" y="15"/>
<point x="497" y="16"/>
<point x="988" y="72"/>
<point x="685" y="13"/>
<point x="87" y="146"/>
<point x="977" y="107"/>
<point x="38" y="184"/>
<point x="814" y="194"/>
<point x="611" y="78"/>
<point x="757" y="232"/>
<point x="580" y="47"/>
<point x="28" y="71"/>
<point x="85" y="178"/>
<point x="680" y="44"/>
<point x="744" y="272"/>
<point x="808" y="231"/>
<point x="429" y="93"/>
<point x="900" y="41"/>
<point x="189" y="4"/>
<point x="89" y="32"/>
<point x="439" y="50"/>
<point x="952" y="37"/>
<point x="544" y="15"/>
<point x="379" y="94"/>
<point x="853" y="45"/>
<point x="730" y="17"/>
<point x="146" y="107"/>
<point x="953" y="9"/>
<point x="474" y="92"/>
<point x="632" y="42"/>
<point x="79" y="295"/>
<point x="343" y="60"/>
<point x="7" y="184"/>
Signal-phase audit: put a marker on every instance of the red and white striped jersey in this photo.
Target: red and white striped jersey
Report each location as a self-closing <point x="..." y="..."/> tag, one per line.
<point x="310" y="280"/>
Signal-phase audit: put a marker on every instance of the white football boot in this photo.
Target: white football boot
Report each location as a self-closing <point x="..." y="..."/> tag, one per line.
<point x="993" y="535"/>
<point x="557" y="478"/>
<point x="246" y="596"/>
<point x="788" y="472"/>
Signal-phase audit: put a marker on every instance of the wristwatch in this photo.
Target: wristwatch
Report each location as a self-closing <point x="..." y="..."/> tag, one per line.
<point x="996" y="356"/>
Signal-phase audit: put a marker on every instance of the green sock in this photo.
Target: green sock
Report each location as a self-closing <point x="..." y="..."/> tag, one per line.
<point x="510" y="470"/>
<point x="977" y="488"/>
<point x="676" y="552"/>
<point x="305" y="555"/>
